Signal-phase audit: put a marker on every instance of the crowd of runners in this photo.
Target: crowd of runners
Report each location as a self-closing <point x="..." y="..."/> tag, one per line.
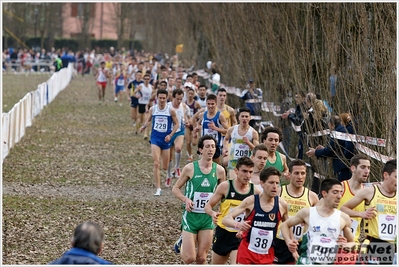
<point x="241" y="197"/>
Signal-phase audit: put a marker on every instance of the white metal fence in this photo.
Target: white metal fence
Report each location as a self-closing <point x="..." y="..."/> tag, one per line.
<point x="22" y="114"/>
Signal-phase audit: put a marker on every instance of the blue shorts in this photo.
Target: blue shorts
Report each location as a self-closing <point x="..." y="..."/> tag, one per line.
<point x="134" y="102"/>
<point x="181" y="132"/>
<point x="160" y="143"/>
<point x="118" y="89"/>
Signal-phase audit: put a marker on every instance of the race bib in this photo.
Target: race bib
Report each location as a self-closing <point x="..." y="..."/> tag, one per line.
<point x="297" y="230"/>
<point x="200" y="200"/>
<point x="211" y="132"/>
<point x="260" y="241"/>
<point x="387" y="226"/>
<point x="120" y="82"/>
<point x="239" y="218"/>
<point x="323" y="249"/>
<point x="161" y="124"/>
<point x="241" y="150"/>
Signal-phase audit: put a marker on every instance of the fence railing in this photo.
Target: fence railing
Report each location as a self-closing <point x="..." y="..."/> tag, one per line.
<point x="22" y="114"/>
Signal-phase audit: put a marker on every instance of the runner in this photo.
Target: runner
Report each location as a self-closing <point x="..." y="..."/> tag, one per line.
<point x="201" y="178"/>
<point x="134" y="98"/>
<point x="262" y="215"/>
<point x="101" y="78"/>
<point x="242" y="137"/>
<point x="201" y="98"/>
<point x="182" y="111"/>
<point x="324" y="224"/>
<point x="271" y="137"/>
<point x="162" y="117"/>
<point x="120" y="80"/>
<point x="360" y="168"/>
<point x="230" y="193"/>
<point x="259" y="157"/>
<point x="212" y="122"/>
<point x="381" y="215"/>
<point x="297" y="197"/>
<point x="145" y="91"/>
<point x="190" y="140"/>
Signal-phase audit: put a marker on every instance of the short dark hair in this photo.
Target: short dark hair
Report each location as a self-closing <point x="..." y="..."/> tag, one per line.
<point x="328" y="183"/>
<point x="163" y="82"/>
<point x="88" y="236"/>
<point x="202" y="85"/>
<point x="162" y="91"/>
<point x="211" y="97"/>
<point x="296" y="162"/>
<point x="221" y="90"/>
<point x="203" y="138"/>
<point x="246" y="161"/>
<point x="243" y="109"/>
<point x="355" y="160"/>
<point x="177" y="91"/>
<point x="188" y="76"/>
<point x="271" y="129"/>
<point x="389" y="167"/>
<point x="267" y="172"/>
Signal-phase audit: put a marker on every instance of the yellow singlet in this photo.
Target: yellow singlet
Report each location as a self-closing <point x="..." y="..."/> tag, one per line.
<point x="295" y="204"/>
<point x="383" y="226"/>
<point x="355" y="221"/>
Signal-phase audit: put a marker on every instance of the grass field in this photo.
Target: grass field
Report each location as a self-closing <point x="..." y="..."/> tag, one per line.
<point x="15" y="87"/>
<point x="81" y="161"/>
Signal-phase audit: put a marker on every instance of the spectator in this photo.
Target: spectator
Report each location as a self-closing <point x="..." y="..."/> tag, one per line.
<point x="314" y="118"/>
<point x="87" y="243"/>
<point x="253" y="100"/>
<point x="284" y="124"/>
<point x="215" y="80"/>
<point x="346" y="121"/>
<point x="335" y="149"/>
<point x="297" y="118"/>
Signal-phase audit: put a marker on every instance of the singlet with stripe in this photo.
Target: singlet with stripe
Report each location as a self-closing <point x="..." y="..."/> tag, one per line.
<point x="260" y="237"/>
<point x="238" y="147"/>
<point x="180" y="115"/>
<point x="230" y="201"/>
<point x="355" y="221"/>
<point x="295" y="204"/>
<point x="201" y="187"/>
<point x="146" y="92"/>
<point x="101" y="75"/>
<point x="278" y="164"/>
<point x="120" y="80"/>
<point x="208" y="131"/>
<point x="319" y="242"/>
<point x="161" y="122"/>
<point x="383" y="226"/>
<point x="192" y="108"/>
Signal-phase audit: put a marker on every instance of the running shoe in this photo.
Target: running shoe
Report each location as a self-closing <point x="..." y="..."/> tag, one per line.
<point x="116" y="99"/>
<point x="177" y="173"/>
<point x="168" y="182"/>
<point x="158" y="193"/>
<point x="177" y="245"/>
<point x="190" y="159"/>
<point x="134" y="124"/>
